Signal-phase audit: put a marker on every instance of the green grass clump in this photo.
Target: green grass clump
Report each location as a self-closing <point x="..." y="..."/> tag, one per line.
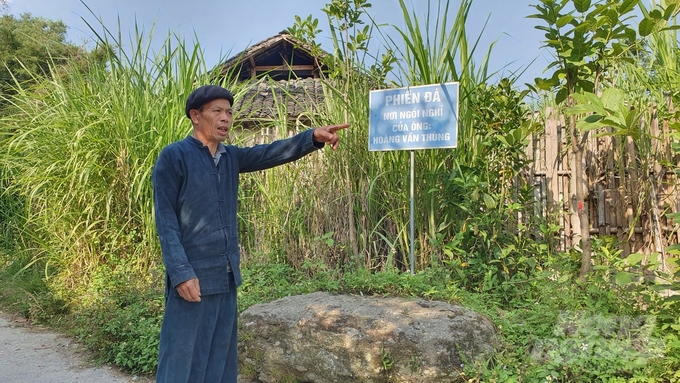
<point x="124" y="330"/>
<point x="122" y="325"/>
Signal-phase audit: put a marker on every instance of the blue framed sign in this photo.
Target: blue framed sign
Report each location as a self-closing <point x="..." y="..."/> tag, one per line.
<point x="416" y="117"/>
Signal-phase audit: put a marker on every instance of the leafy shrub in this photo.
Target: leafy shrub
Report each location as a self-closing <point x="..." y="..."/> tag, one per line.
<point x="124" y="330"/>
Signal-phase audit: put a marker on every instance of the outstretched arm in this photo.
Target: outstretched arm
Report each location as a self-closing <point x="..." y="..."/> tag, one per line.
<point x="328" y="134"/>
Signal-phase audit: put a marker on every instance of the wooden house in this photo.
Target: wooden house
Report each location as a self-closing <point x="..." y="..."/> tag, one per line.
<point x="291" y="85"/>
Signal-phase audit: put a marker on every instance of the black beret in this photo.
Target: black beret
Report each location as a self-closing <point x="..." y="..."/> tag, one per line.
<point x="205" y="94"/>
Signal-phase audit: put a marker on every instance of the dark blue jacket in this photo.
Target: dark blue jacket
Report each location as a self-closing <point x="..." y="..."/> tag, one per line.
<point x="195" y="206"/>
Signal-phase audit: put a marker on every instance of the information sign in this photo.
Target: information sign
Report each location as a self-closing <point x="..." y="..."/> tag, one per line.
<point x="416" y="117"/>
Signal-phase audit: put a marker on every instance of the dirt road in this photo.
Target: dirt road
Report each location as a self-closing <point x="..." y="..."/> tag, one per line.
<point x="31" y="354"/>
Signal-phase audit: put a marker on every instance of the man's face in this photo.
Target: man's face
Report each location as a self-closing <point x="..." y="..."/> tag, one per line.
<point x="213" y="122"/>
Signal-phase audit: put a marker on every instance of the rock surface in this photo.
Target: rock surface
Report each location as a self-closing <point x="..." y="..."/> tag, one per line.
<point x="323" y="338"/>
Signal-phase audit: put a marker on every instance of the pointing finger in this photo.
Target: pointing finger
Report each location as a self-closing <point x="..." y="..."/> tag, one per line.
<point x="335" y="128"/>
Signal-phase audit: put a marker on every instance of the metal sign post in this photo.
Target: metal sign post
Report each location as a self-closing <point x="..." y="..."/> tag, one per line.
<point x="411" y="216"/>
<point x="418" y="117"/>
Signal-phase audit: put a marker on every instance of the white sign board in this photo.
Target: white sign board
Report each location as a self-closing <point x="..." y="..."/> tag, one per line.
<point x="417" y="117"/>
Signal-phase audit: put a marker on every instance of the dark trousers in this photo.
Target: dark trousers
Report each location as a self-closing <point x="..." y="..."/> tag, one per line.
<point x="198" y="341"/>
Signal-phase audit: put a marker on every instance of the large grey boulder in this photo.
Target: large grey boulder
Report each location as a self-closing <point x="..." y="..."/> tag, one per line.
<point x="323" y="338"/>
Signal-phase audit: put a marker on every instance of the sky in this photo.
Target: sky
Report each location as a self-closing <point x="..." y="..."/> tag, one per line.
<point x="225" y="28"/>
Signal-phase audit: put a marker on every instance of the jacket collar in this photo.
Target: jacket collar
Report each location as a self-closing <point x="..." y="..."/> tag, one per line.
<point x="197" y="143"/>
<point x="194" y="141"/>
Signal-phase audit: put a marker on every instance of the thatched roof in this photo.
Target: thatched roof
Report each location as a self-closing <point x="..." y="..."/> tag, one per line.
<point x="293" y="84"/>
<point x="276" y="57"/>
<point x="267" y="99"/>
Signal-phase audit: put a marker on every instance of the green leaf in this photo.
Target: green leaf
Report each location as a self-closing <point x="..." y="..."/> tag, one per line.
<point x="582" y="5"/>
<point x="561" y="95"/>
<point x="646" y="27"/>
<point x="634" y="259"/>
<point x="566" y="53"/>
<point x="586" y="86"/>
<point x="591" y="103"/>
<point x="518" y="135"/>
<point x="578" y="109"/>
<point x="671" y="28"/>
<point x="659" y="287"/>
<point x="631" y="34"/>
<point x="631" y="120"/>
<point x="673" y="249"/>
<point x="582" y="28"/>
<point x="614" y="121"/>
<point x="613" y="17"/>
<point x="545" y="84"/>
<point x="668" y="13"/>
<point x="590" y="123"/>
<point x="564" y="20"/>
<point x="612" y="98"/>
<point x="509" y="139"/>
<point x="624" y="278"/>
<point x="489" y="201"/>
<point x="627" y="6"/>
<point x="593" y="118"/>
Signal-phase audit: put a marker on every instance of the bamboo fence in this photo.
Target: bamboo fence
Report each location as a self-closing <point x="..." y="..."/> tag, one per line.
<point x="629" y="192"/>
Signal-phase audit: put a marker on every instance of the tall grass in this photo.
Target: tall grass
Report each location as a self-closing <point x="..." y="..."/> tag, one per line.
<point x="309" y="220"/>
<point x="435" y="51"/>
<point x="80" y="147"/>
<point x="79" y="150"/>
<point x="334" y="211"/>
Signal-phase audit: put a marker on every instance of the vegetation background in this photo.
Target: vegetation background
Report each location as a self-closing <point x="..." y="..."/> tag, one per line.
<point x="80" y="131"/>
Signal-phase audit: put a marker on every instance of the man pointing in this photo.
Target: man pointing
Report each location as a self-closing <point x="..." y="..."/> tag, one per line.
<point x="195" y="183"/>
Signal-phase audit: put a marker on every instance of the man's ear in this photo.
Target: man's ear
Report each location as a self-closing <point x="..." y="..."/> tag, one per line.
<point x="194" y="115"/>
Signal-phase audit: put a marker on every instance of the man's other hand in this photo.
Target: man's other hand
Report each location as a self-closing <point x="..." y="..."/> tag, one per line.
<point x="190" y="290"/>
